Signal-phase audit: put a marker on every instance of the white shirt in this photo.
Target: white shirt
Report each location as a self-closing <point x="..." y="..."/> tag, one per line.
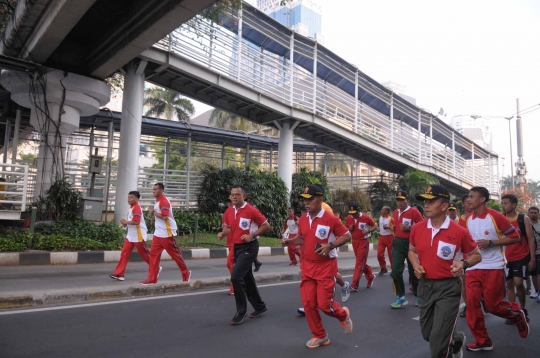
<point x="164" y="227"/>
<point x="136" y="233"/>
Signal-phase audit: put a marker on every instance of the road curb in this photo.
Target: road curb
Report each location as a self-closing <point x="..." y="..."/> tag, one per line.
<point x="98" y="257"/>
<point x="81" y="296"/>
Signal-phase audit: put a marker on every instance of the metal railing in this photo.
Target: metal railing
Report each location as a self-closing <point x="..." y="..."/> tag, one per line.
<point x="13" y="187"/>
<point x="219" y="49"/>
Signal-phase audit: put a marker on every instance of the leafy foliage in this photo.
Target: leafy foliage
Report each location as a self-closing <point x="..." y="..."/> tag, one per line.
<point x="167" y="103"/>
<point x="264" y="190"/>
<point x="381" y="194"/>
<point x="416" y="181"/>
<point x="343" y="198"/>
<point x="304" y="177"/>
<point x="61" y="201"/>
<point x="15" y="240"/>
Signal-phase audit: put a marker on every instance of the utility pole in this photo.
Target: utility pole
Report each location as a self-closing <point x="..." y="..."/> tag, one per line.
<point x="521" y="167"/>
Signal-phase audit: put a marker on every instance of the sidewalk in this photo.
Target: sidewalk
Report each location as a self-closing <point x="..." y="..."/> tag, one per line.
<point x="27" y="286"/>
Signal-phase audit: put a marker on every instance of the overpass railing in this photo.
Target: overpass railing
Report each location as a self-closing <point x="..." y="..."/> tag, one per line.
<point x="13" y="190"/>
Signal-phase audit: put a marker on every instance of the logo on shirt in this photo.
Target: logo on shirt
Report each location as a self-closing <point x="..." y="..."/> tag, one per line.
<point x="486" y="232"/>
<point x="446" y="251"/>
<point x="407" y="222"/>
<point x="244" y="223"/>
<point x="362" y="226"/>
<point x="322" y="232"/>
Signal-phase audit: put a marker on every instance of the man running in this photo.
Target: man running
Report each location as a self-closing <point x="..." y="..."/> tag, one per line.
<point x="164" y="237"/>
<point x="291" y="224"/>
<point x="361" y="226"/>
<point x="433" y="247"/>
<point x="404" y="217"/>
<point x="320" y="233"/>
<point x="521" y="256"/>
<point x="386" y="236"/>
<point x="244" y="224"/>
<point x="533" y="216"/>
<point x="135" y="236"/>
<point x="492" y="231"/>
<point x="452" y="212"/>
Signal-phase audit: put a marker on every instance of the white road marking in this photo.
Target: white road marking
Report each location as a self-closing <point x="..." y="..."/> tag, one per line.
<point x="460" y="307"/>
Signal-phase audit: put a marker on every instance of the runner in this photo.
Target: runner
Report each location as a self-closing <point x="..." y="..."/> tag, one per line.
<point x="533" y="216"/>
<point x="434" y="244"/>
<point x="320" y="233"/>
<point x="135" y="236"/>
<point x="520" y="257"/>
<point x="491" y="230"/>
<point x="463" y="223"/>
<point x="453" y="213"/>
<point x="386" y="235"/>
<point x="244" y="224"/>
<point x="404" y="217"/>
<point x="164" y="237"/>
<point x="361" y="226"/>
<point x="291" y="224"/>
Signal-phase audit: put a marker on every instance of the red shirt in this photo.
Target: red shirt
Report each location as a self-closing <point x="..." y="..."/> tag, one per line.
<point x="323" y="229"/>
<point x="410" y="216"/>
<point x="437" y="248"/>
<point x="462" y="221"/>
<point x="358" y="225"/>
<point x="519" y="251"/>
<point x="243" y="221"/>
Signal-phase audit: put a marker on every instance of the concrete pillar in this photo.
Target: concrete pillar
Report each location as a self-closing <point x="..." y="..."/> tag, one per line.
<point x="285" y="154"/>
<point x="67" y="97"/>
<point x="130" y="137"/>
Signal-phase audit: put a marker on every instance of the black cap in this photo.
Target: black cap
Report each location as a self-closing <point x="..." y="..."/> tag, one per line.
<point x="452" y="206"/>
<point x="401" y="194"/>
<point x="311" y="191"/>
<point x="434" y="192"/>
<point x="354" y="208"/>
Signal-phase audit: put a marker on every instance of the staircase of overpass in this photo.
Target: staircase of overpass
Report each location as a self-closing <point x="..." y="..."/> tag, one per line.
<point x="253" y="66"/>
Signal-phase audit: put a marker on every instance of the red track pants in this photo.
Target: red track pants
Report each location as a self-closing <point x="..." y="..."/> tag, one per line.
<point x="487" y="284"/>
<point x="385" y="243"/>
<point x="168" y="244"/>
<point x="361" y="249"/>
<point x="317" y="292"/>
<point x="293" y="250"/>
<point x="127" y="248"/>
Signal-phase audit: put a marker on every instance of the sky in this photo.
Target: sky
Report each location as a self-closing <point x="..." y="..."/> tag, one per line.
<point x="467" y="57"/>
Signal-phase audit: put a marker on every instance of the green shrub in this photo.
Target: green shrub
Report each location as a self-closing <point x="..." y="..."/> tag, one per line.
<point x="15" y="241"/>
<point x="302" y="178"/>
<point x="62" y="200"/>
<point x="58" y="242"/>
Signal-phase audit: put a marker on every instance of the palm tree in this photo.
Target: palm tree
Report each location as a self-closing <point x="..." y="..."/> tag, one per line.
<point x="223" y="119"/>
<point x="167" y="103"/>
<point x="334" y="163"/>
<point x="416" y="181"/>
<point x="506" y="182"/>
<point x="534" y="187"/>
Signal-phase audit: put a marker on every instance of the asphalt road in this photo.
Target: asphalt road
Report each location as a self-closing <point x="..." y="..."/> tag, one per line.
<point x="197" y="325"/>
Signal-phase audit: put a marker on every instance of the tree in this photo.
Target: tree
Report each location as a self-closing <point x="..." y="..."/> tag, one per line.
<point x="534" y="188"/>
<point x="167" y="103"/>
<point x="506" y="182"/>
<point x="381" y="194"/>
<point x="304" y="177"/>
<point x="416" y="181"/>
<point x="334" y="163"/>
<point x="226" y="120"/>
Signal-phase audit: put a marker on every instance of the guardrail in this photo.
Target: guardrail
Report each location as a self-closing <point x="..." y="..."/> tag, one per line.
<point x="13" y="189"/>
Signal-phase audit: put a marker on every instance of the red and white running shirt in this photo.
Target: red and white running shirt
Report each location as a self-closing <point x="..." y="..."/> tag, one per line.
<point x="164" y="227"/>
<point x="136" y="233"/>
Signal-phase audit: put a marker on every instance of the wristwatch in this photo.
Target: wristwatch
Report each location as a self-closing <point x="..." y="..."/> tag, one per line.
<point x="490" y="244"/>
<point x="332" y="246"/>
<point x="466" y="264"/>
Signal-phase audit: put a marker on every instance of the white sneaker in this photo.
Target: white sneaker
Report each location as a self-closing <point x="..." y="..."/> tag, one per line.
<point x="535" y="295"/>
<point x="160" y="268"/>
<point x="345" y="292"/>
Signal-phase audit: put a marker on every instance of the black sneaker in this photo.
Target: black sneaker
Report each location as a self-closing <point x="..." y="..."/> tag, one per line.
<point x="258" y="265"/>
<point x="257" y="313"/>
<point x="463" y="312"/>
<point x="301" y="311"/>
<point x="117" y="277"/>
<point x="238" y="319"/>
<point x="382" y="272"/>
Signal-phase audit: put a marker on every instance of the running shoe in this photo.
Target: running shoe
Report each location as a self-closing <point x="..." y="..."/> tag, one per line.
<point x="160" y="269"/>
<point x="258" y="265"/>
<point x="354" y="289"/>
<point x="457" y="349"/>
<point x="238" y="319"/>
<point x="187" y="278"/>
<point x="317" y="342"/>
<point x="347" y="324"/>
<point x="117" y="277"/>
<point x="383" y="271"/>
<point x="146" y="282"/>
<point x="463" y="312"/>
<point x="345" y="292"/>
<point x="301" y="311"/>
<point x="292" y="264"/>
<point x="399" y="302"/>
<point x="475" y="347"/>
<point x="257" y="313"/>
<point x="370" y="282"/>
<point x="522" y="325"/>
<point x="535" y="295"/>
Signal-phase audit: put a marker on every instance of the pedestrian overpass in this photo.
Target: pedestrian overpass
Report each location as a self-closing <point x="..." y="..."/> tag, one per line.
<point x="275" y="77"/>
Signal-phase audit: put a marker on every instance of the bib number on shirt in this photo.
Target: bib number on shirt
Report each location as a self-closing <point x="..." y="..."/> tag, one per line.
<point x="244" y="224"/>
<point x="446" y="251"/>
<point x="322" y="232"/>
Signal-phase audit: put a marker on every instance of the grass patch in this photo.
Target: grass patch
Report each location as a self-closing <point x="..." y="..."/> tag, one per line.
<point x="210" y="240"/>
